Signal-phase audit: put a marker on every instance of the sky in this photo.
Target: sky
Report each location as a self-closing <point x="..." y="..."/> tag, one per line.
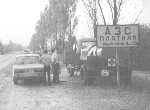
<point x="130" y="11"/>
<point x="18" y="18"/>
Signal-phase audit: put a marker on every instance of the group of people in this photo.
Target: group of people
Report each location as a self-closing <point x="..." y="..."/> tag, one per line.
<point x="51" y="66"/>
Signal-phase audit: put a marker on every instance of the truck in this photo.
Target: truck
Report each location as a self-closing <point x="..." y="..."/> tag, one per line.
<point x="100" y="63"/>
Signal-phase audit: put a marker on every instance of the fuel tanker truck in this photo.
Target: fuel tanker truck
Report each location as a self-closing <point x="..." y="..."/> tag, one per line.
<point x="99" y="64"/>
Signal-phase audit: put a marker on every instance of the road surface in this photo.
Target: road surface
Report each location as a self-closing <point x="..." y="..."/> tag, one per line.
<point x="70" y="94"/>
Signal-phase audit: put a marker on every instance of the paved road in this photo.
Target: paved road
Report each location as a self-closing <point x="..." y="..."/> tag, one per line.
<point x="69" y="95"/>
<point x="6" y="60"/>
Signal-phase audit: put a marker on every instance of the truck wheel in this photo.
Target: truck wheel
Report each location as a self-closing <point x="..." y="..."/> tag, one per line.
<point x="126" y="78"/>
<point x="129" y="77"/>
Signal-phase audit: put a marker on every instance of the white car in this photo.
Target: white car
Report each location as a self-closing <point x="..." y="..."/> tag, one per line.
<point x="27" y="66"/>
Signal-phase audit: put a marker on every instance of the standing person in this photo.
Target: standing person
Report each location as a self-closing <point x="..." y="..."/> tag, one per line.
<point x="46" y="60"/>
<point x="55" y="66"/>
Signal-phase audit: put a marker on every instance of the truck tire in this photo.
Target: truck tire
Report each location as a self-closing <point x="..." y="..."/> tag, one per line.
<point x="125" y="76"/>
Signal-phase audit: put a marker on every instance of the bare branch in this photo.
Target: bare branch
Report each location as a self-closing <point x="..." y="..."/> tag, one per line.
<point x="119" y="7"/>
<point x="138" y="16"/>
<point x="87" y="7"/>
<point x="111" y="8"/>
<point x="118" y="15"/>
<point x="91" y="11"/>
<point x="102" y="12"/>
<point x="120" y="3"/>
<point x="110" y="4"/>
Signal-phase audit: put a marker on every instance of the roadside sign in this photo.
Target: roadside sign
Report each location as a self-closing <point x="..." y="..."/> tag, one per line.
<point x="87" y="44"/>
<point x="111" y="62"/>
<point x="85" y="47"/>
<point x="117" y="36"/>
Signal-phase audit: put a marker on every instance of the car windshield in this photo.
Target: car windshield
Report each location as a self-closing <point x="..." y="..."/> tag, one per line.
<point x="27" y="60"/>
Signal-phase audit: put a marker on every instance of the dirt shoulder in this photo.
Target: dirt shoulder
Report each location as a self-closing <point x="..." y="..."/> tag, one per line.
<point x="70" y="95"/>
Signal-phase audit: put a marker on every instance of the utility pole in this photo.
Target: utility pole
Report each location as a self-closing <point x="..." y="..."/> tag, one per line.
<point x="116" y="49"/>
<point x="70" y="23"/>
<point x="94" y="18"/>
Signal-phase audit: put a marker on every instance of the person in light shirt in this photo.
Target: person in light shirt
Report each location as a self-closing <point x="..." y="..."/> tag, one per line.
<point x="55" y="66"/>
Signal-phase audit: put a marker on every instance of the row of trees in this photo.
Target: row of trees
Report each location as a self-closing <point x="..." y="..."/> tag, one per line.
<point x="141" y="53"/>
<point x="59" y="18"/>
<point x="11" y="46"/>
<point x="53" y="22"/>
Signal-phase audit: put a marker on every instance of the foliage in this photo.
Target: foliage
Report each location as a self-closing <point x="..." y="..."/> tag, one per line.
<point x="1" y="48"/>
<point x="11" y="46"/>
<point x="141" y="53"/>
<point x="97" y="12"/>
<point x="53" y="22"/>
<point x="35" y="43"/>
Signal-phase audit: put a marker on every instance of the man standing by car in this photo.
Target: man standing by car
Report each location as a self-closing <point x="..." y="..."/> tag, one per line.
<point x="55" y="66"/>
<point x="46" y="60"/>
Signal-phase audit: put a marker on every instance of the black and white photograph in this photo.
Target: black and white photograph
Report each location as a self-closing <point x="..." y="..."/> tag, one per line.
<point x="74" y="54"/>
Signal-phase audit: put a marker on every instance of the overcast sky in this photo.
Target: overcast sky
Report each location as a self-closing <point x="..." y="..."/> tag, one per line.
<point x="130" y="11"/>
<point x="18" y="17"/>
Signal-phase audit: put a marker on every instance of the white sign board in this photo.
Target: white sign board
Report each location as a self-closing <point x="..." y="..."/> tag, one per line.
<point x="85" y="46"/>
<point x="117" y="36"/>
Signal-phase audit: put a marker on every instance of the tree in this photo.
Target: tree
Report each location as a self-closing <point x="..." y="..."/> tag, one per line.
<point x="11" y="46"/>
<point x="96" y="11"/>
<point x="35" y="43"/>
<point x="1" y="48"/>
<point x="54" y="20"/>
<point x="141" y="54"/>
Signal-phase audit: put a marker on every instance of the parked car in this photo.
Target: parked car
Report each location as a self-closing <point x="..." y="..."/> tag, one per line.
<point x="27" y="51"/>
<point x="27" y="66"/>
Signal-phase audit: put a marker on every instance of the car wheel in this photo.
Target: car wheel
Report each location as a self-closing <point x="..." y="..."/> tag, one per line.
<point x="15" y="81"/>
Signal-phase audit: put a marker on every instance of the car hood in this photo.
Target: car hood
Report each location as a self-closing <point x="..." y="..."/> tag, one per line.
<point x="28" y="66"/>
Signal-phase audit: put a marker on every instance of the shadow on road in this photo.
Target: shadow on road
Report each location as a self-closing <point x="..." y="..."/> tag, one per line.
<point x="33" y="83"/>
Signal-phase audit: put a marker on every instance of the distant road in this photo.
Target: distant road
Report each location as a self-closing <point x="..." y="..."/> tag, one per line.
<point x="6" y="59"/>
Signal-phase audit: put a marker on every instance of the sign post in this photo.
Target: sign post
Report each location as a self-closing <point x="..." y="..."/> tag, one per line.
<point x="117" y="36"/>
<point x="117" y="67"/>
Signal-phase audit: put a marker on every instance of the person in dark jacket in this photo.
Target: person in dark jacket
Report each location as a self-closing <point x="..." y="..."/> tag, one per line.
<point x="46" y="60"/>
